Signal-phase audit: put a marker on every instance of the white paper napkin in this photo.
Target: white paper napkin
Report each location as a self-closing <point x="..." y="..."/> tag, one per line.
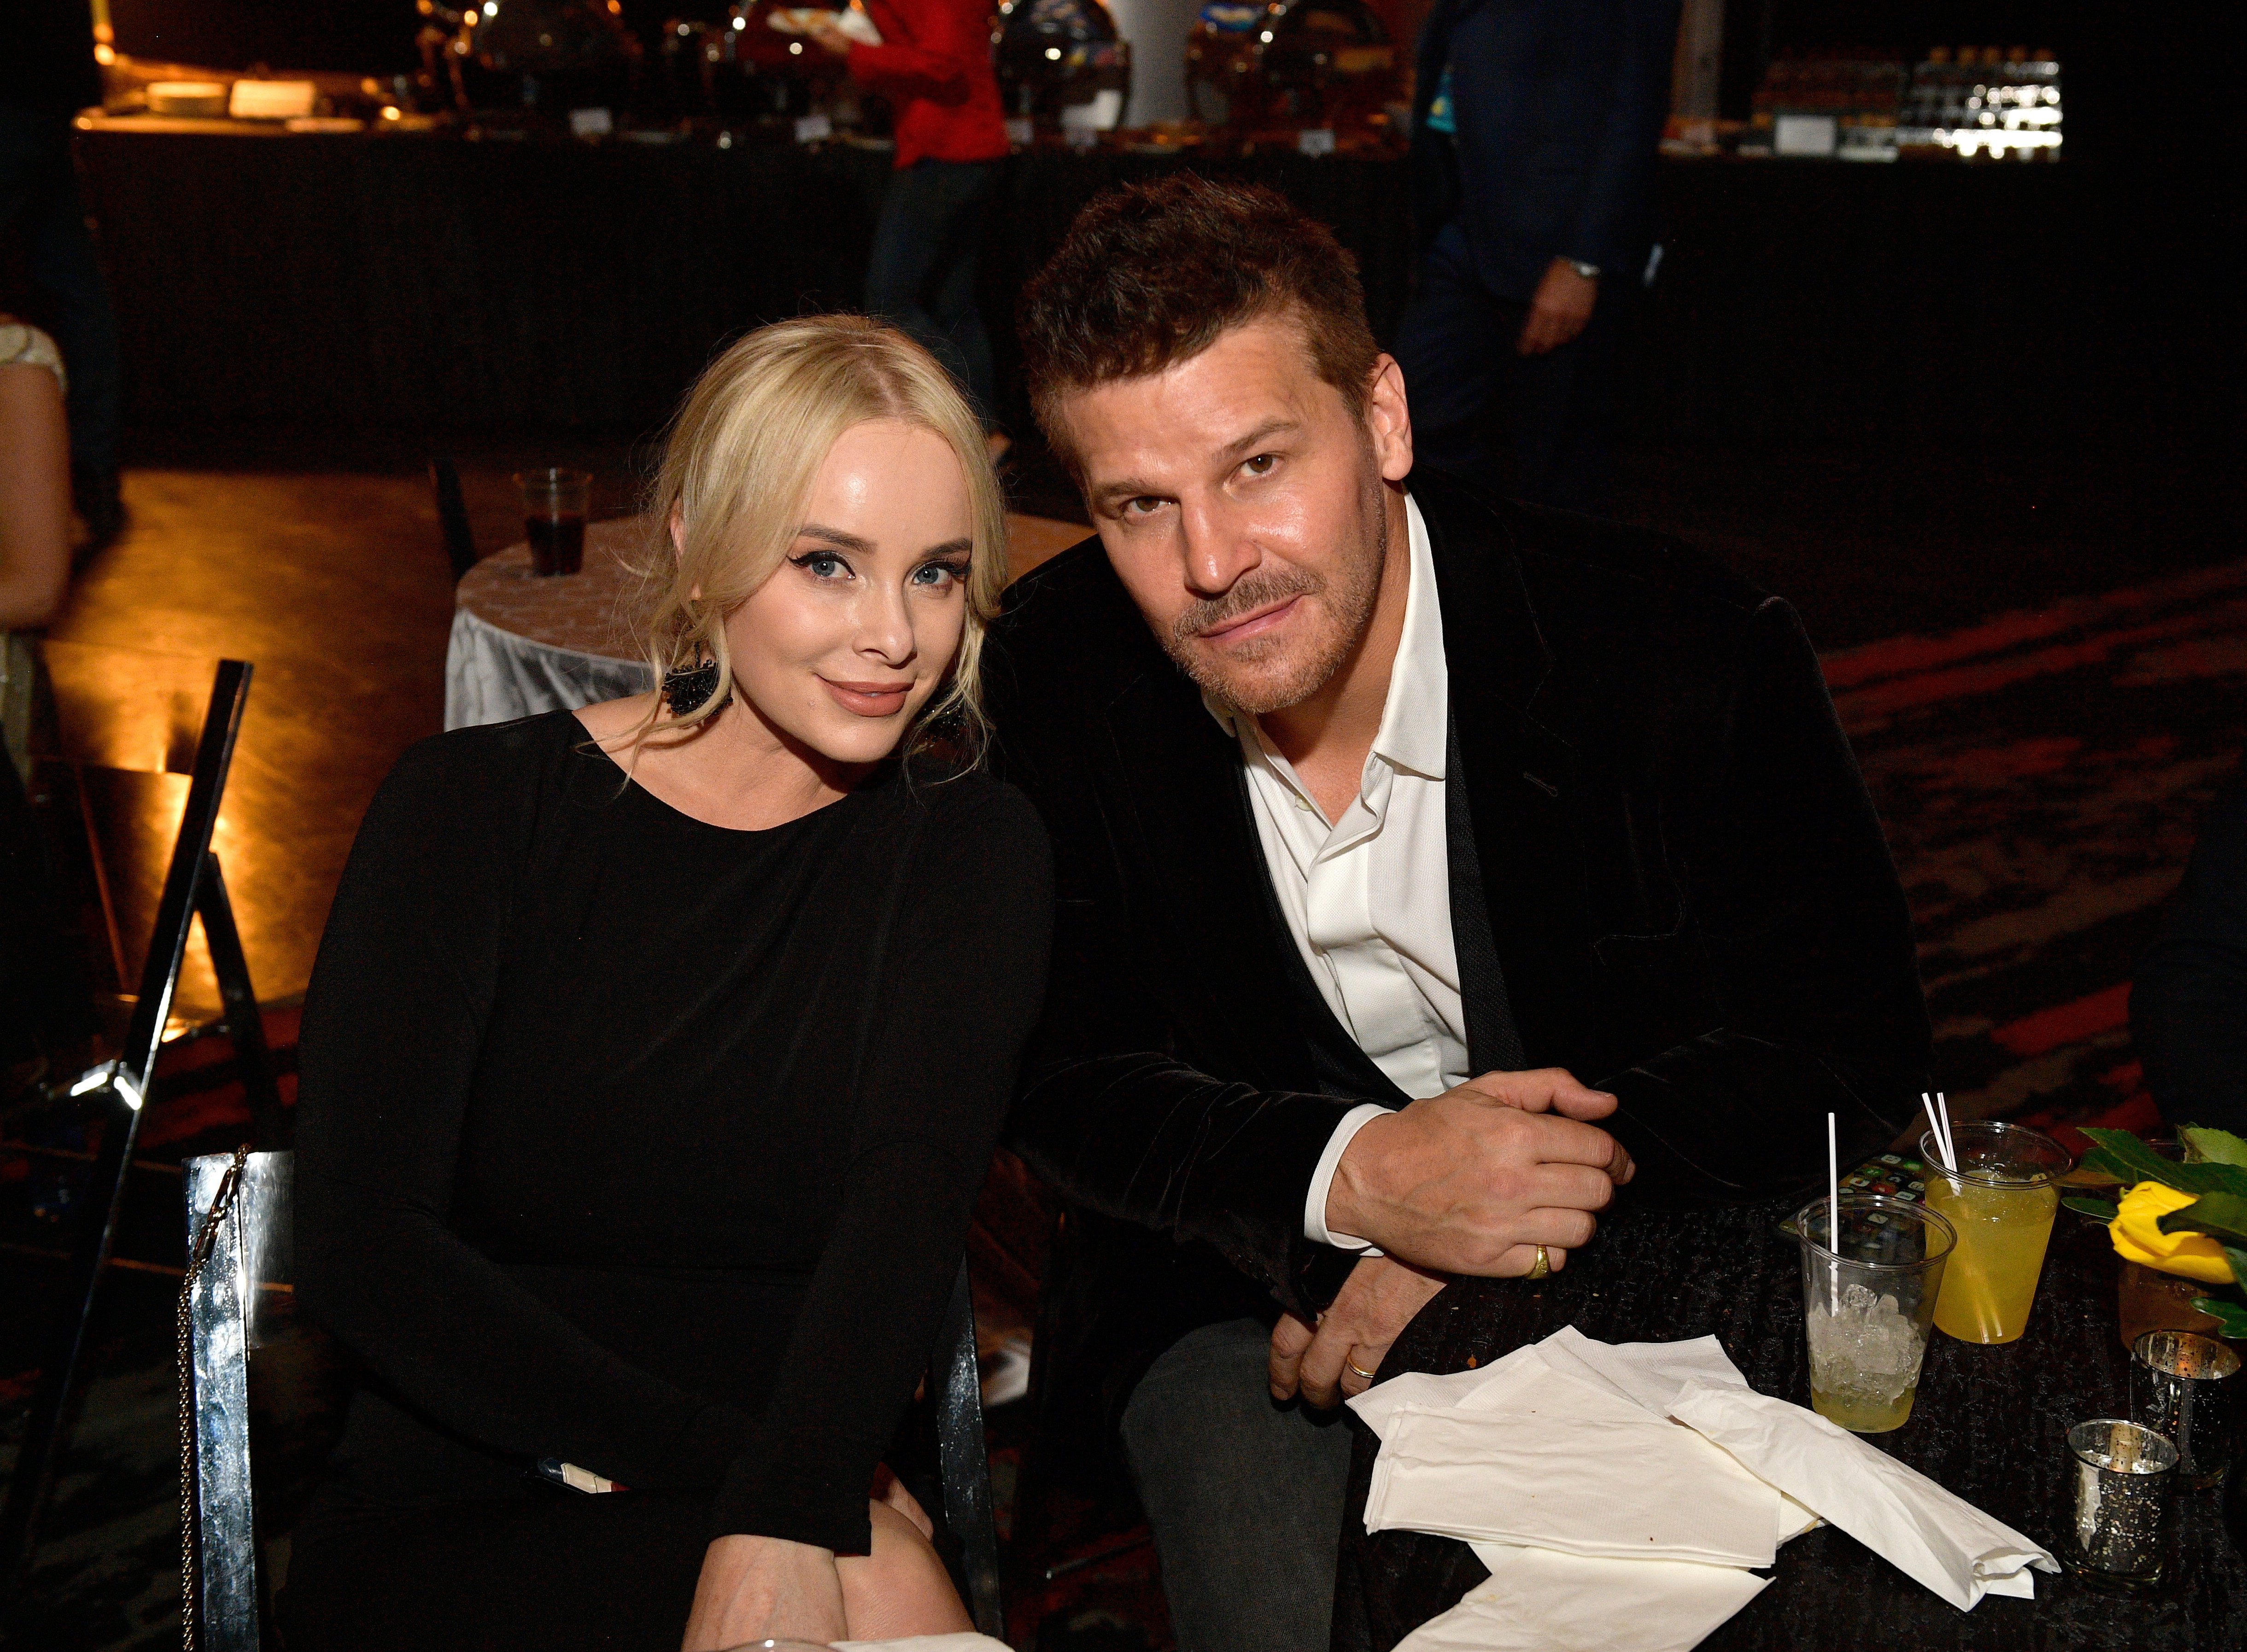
<point x="1654" y="1375"/>
<point x="1557" y="1463"/>
<point x="1382" y="1400"/>
<point x="1540" y="1600"/>
<point x="1650" y="1374"/>
<point x="1929" y="1534"/>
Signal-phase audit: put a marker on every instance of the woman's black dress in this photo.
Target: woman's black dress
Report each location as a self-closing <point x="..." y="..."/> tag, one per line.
<point x="643" y="1145"/>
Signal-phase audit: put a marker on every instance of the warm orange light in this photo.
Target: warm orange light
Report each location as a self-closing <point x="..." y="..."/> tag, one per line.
<point x="104" y="34"/>
<point x="391" y="114"/>
<point x="105" y="55"/>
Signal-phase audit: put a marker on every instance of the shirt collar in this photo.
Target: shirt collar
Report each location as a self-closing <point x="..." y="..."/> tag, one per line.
<point x="1414" y="735"/>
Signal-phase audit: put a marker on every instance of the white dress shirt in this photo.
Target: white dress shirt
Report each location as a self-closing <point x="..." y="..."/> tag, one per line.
<point x="1368" y="896"/>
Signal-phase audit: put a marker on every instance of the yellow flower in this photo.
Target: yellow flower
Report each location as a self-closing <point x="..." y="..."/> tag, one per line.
<point x="2138" y="1237"/>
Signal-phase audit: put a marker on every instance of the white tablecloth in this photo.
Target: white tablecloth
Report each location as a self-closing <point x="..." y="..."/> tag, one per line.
<point x="495" y="676"/>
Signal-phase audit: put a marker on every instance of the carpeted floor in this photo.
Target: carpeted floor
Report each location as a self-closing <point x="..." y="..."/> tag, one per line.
<point x="2040" y="772"/>
<point x="2042" y="775"/>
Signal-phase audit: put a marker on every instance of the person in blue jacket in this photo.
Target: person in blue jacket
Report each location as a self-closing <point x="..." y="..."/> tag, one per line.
<point x="1535" y="127"/>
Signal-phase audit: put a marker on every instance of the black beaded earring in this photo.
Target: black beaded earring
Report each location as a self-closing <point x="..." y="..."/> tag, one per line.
<point x="688" y="688"/>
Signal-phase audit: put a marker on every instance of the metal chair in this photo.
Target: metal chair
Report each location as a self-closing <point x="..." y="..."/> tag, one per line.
<point x="956" y="1385"/>
<point x="239" y="1251"/>
<point x="453" y="515"/>
<point x="239" y="1265"/>
<point x="193" y="888"/>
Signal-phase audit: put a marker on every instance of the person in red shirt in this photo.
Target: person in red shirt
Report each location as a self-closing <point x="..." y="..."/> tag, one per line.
<point x="934" y="66"/>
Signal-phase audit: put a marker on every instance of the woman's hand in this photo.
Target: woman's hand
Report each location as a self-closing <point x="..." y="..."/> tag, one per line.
<point x="757" y="1588"/>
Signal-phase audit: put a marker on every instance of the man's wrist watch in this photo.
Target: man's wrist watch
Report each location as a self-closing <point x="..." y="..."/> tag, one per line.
<point x="1590" y="272"/>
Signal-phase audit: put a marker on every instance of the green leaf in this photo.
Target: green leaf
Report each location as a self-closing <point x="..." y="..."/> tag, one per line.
<point x="2104" y="1211"/>
<point x="2238" y="1258"/>
<point x="2221" y="1216"/>
<point x="2207" y="1146"/>
<point x="2230" y="1318"/>
<point x="2128" y="1160"/>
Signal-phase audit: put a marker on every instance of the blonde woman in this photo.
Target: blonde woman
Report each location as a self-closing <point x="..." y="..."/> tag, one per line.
<point x="653" y="1057"/>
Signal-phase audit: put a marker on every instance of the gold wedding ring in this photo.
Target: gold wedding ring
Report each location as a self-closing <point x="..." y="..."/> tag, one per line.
<point x="1354" y="1368"/>
<point x="1542" y="1266"/>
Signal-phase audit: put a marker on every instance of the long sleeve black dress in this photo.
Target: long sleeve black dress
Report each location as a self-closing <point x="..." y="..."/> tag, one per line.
<point x="644" y="1144"/>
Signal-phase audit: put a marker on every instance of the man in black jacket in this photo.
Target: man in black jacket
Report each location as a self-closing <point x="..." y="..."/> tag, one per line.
<point x="1535" y="129"/>
<point x="1382" y="814"/>
<point x="2188" y="1008"/>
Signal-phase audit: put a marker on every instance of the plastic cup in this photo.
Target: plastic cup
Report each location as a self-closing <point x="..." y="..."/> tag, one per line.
<point x="2001" y="1199"/>
<point x="1869" y="1296"/>
<point x="554" y="501"/>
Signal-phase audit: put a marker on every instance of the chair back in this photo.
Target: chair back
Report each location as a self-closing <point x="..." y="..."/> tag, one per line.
<point x="956" y="1382"/>
<point x="452" y="516"/>
<point x="229" y="1309"/>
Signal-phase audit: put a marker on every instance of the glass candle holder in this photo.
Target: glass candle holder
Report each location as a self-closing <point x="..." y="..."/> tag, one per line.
<point x="2124" y="1473"/>
<point x="2180" y="1386"/>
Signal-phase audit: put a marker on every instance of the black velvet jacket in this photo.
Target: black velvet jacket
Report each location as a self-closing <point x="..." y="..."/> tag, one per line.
<point x="1689" y="897"/>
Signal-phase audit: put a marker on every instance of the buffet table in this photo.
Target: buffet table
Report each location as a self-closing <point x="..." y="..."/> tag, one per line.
<point x="1989" y="1423"/>
<point x="424" y="280"/>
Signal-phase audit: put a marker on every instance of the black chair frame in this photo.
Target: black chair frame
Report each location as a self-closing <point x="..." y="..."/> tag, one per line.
<point x="194" y="886"/>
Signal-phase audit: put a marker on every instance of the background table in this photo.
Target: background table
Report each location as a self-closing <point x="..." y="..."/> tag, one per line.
<point x="428" y="281"/>
<point x="523" y="643"/>
<point x="1990" y="1424"/>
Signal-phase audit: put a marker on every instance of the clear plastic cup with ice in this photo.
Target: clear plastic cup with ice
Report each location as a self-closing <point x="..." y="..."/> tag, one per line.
<point x="1869" y="1285"/>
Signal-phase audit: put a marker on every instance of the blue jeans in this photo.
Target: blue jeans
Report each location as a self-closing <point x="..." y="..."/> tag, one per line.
<point x="40" y="212"/>
<point x="921" y="278"/>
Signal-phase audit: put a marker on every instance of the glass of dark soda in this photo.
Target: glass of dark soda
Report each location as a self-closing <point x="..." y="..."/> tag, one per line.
<point x="554" y="517"/>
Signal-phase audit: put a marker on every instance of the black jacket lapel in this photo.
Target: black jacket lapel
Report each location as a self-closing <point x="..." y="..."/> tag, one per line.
<point x="1181" y="776"/>
<point x="1493" y="1041"/>
<point x="1519" y="775"/>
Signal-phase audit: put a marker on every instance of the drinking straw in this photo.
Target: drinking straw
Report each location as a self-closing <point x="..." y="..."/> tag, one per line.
<point x="1939" y="1129"/>
<point x="1833" y="1218"/>
<point x="1949" y="1147"/>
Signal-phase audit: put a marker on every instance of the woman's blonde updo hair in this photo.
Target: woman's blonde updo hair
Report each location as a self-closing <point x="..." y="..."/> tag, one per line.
<point x="738" y="467"/>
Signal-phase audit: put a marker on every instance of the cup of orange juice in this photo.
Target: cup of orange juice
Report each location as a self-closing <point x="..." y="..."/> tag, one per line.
<point x="2001" y="1199"/>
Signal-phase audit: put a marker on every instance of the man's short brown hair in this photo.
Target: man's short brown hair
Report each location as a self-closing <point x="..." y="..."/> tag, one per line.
<point x="1152" y="274"/>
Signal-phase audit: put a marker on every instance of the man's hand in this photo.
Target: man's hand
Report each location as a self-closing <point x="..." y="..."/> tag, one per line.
<point x="1561" y="309"/>
<point x="1374" y="1306"/>
<point x="889" y="1488"/>
<point x="1474" y="1180"/>
<point x="756" y="1588"/>
<point x="830" y="37"/>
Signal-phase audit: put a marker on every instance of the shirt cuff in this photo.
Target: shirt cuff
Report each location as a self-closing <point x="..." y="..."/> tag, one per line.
<point x="1315" y="1202"/>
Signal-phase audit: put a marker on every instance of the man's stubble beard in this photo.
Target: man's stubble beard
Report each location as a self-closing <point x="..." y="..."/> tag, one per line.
<point x="1349" y="602"/>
